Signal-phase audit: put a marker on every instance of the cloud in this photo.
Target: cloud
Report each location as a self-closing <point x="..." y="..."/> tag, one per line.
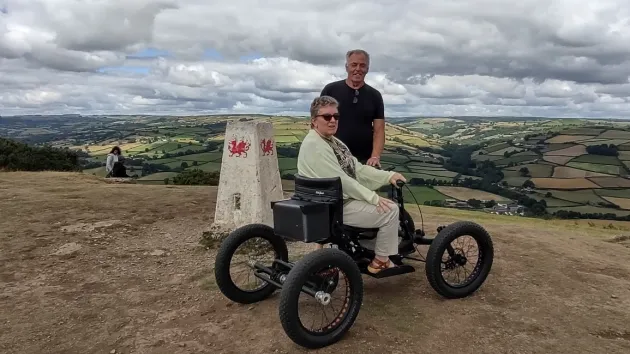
<point x="478" y="57"/>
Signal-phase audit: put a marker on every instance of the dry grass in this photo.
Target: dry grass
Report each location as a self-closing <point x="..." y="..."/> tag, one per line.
<point x="463" y="193"/>
<point x="563" y="183"/>
<point x="136" y="281"/>
<point x="570" y="172"/>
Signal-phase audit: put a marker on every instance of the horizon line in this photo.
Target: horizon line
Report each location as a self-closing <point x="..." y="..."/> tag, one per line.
<point x="300" y="115"/>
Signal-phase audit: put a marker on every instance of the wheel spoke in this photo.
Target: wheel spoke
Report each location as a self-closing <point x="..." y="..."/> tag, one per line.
<point x="339" y="284"/>
<point x="251" y="251"/>
<point x="453" y="263"/>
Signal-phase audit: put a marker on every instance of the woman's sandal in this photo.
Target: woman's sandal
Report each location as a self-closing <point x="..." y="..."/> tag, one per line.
<point x="377" y="265"/>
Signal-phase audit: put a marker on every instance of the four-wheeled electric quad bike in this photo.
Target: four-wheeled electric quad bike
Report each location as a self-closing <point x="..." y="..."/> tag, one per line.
<point x="314" y="214"/>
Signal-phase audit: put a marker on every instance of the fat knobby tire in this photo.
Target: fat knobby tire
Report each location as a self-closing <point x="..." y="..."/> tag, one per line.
<point x="292" y="288"/>
<point x="224" y="258"/>
<point x="438" y="247"/>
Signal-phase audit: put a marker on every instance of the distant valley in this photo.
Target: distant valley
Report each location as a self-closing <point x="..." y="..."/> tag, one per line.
<point x="568" y="168"/>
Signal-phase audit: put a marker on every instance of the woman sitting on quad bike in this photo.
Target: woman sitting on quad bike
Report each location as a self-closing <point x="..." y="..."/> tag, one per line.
<point x="323" y="156"/>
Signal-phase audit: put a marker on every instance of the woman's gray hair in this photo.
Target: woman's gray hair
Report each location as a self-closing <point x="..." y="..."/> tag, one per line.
<point x="322" y="101"/>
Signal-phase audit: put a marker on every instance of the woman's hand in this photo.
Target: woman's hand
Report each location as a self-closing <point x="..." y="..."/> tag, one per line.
<point x="396" y="177"/>
<point x="384" y="205"/>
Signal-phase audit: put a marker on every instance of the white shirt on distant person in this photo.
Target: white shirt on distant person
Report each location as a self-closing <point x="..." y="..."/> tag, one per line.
<point x="111" y="160"/>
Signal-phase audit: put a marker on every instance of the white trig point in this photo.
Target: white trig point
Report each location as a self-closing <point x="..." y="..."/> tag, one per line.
<point x="250" y="176"/>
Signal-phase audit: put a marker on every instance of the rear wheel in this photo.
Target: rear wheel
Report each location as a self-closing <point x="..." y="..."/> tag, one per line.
<point x="237" y="254"/>
<point x="469" y="262"/>
<point x="321" y="272"/>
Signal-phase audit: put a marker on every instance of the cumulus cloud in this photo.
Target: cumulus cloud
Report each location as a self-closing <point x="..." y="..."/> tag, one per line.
<point x="452" y="57"/>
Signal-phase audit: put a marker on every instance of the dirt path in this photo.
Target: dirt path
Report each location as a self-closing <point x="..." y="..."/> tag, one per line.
<point x="88" y="267"/>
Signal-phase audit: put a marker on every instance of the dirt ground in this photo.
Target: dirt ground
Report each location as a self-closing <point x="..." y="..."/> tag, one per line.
<point x="91" y="267"/>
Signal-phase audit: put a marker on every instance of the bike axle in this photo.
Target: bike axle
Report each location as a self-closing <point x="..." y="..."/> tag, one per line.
<point x="322" y="297"/>
<point x="271" y="276"/>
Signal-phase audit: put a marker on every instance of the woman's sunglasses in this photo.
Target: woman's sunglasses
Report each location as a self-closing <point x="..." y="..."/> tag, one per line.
<point x="327" y="117"/>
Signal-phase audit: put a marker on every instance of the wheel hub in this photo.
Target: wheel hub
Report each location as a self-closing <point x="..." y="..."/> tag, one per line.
<point x="322" y="297"/>
<point x="457" y="260"/>
<point x="460" y="259"/>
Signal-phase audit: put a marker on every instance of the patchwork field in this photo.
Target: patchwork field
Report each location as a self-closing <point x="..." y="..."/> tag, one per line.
<point x="615" y="134"/>
<point x="598" y="159"/>
<point x="583" y="131"/>
<point x="617" y="193"/>
<point x="564" y="183"/>
<point x="559" y="139"/>
<point x="421" y="194"/>
<point x="585" y="196"/>
<point x="623" y="203"/>
<point x="573" y="151"/>
<point x="596" y="167"/>
<point x="570" y="172"/>
<point x="611" y="182"/>
<point x="535" y="170"/>
<point x="464" y="194"/>
<point x="516" y="159"/>
<point x="560" y="160"/>
<point x="500" y="152"/>
<point x="515" y="181"/>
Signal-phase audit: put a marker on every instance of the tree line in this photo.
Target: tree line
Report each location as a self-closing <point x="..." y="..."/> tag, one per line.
<point x="19" y="156"/>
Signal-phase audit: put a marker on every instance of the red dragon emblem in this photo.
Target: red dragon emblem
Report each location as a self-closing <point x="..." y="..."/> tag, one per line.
<point x="266" y="145"/>
<point x="238" y="148"/>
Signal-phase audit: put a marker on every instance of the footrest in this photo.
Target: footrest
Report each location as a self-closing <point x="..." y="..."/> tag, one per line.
<point x="390" y="272"/>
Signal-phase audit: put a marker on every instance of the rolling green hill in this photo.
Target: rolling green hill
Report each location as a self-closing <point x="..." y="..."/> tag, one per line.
<point x="567" y="167"/>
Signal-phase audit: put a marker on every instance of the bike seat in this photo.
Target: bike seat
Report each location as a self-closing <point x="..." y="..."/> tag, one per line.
<point x="362" y="232"/>
<point x="360" y="229"/>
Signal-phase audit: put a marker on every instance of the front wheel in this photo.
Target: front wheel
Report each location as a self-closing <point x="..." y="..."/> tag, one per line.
<point x="321" y="273"/>
<point x="250" y="240"/>
<point x="442" y="257"/>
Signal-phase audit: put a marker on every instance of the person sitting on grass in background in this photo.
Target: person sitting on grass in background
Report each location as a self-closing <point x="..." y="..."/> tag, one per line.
<point x="114" y="165"/>
<point x="322" y="155"/>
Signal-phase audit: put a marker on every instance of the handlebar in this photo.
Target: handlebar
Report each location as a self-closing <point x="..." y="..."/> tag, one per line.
<point x="399" y="183"/>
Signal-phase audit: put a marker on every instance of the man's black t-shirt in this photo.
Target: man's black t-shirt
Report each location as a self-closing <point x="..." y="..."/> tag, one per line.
<point x="355" y="122"/>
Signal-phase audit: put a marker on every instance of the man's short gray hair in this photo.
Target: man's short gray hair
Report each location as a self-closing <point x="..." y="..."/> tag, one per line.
<point x="322" y="101"/>
<point x="358" y="51"/>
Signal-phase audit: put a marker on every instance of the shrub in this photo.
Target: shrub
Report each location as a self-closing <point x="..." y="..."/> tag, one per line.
<point x="197" y="177"/>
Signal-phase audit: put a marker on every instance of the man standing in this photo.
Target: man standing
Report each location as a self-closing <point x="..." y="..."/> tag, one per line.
<point x="362" y="113"/>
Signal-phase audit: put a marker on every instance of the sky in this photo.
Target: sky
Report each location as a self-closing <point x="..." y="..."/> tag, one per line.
<point x="553" y="58"/>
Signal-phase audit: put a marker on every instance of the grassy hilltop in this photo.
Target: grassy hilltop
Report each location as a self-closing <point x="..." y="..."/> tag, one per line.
<point x="92" y="267"/>
<point x="573" y="168"/>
